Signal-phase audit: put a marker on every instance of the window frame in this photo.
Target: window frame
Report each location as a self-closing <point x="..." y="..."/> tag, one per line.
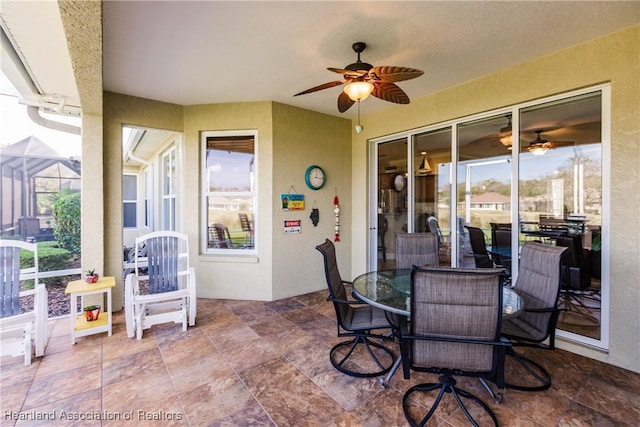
<point x="226" y="253"/>
<point x="168" y="162"/>
<point x="133" y="201"/>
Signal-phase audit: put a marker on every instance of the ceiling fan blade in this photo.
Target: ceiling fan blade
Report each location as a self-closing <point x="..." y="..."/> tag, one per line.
<point x="389" y="92"/>
<point x="555" y="144"/>
<point x="349" y="73"/>
<point x="321" y="87"/>
<point x="344" y="102"/>
<point x="394" y="74"/>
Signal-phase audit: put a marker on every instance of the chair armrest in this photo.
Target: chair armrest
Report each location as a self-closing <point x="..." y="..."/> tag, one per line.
<point x="132" y="284"/>
<point x="542" y="310"/>
<point x="341" y="301"/>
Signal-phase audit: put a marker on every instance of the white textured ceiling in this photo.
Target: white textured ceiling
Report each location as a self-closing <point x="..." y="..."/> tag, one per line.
<point x="209" y="52"/>
<point x="216" y="52"/>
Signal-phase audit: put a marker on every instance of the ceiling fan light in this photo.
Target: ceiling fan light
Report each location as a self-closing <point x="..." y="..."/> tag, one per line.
<point x="538" y="150"/>
<point x="358" y="91"/>
<point x="507" y="139"/>
<point x="506" y="135"/>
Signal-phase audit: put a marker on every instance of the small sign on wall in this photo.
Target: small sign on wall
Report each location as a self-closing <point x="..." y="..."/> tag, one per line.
<point x="292" y="202"/>
<point x="292" y="226"/>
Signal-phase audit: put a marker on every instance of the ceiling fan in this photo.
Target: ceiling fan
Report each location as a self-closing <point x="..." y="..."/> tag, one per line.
<point x="540" y="146"/>
<point x="364" y="79"/>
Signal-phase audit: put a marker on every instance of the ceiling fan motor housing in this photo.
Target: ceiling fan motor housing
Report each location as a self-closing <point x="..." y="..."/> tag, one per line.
<point x="359" y="47"/>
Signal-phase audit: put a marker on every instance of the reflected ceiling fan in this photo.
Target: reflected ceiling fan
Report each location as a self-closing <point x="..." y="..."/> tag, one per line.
<point x="539" y="146"/>
<point x="362" y="79"/>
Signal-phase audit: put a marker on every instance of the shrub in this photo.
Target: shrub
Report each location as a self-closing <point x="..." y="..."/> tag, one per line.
<point x="51" y="257"/>
<point x="66" y="213"/>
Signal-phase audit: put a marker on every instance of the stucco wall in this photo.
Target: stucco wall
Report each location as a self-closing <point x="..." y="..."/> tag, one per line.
<point x="122" y="110"/>
<point x="615" y="59"/>
<point x="236" y="277"/>
<point x="289" y="140"/>
<point x="303" y="138"/>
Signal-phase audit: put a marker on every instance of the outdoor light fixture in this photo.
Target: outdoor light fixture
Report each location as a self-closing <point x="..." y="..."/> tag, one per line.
<point x="358" y="91"/>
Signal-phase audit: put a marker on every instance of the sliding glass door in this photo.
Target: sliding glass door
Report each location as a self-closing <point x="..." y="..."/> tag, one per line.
<point x="534" y="171"/>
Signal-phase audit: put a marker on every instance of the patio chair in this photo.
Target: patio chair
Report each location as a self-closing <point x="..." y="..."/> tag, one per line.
<point x="166" y="292"/>
<point x="416" y="249"/>
<point x="357" y="320"/>
<point x="538" y="284"/>
<point x="454" y="331"/>
<point x="29" y="229"/>
<point x="21" y="332"/>
<point x="479" y="248"/>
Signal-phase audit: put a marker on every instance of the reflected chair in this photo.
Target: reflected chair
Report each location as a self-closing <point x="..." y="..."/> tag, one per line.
<point x="219" y="237"/>
<point x="166" y="292"/>
<point x="383" y="226"/>
<point x="419" y="249"/>
<point x="538" y="284"/>
<point x="21" y="332"/>
<point x="479" y="248"/>
<point x="454" y="331"/>
<point x="501" y="245"/>
<point x="356" y="320"/>
<point x="465" y="244"/>
<point x="247" y="228"/>
<point x="575" y="283"/>
<point x="444" y="245"/>
<point x="552" y="226"/>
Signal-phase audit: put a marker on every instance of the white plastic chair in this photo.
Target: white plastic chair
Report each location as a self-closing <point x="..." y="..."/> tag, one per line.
<point x="21" y="333"/>
<point x="162" y="287"/>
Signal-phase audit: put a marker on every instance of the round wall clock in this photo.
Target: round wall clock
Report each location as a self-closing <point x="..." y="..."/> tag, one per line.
<point x="314" y="177"/>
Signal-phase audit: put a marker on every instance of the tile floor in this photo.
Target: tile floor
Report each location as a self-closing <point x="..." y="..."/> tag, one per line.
<point x="264" y="364"/>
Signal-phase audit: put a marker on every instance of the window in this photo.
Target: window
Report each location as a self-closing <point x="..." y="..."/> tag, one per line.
<point x="130" y="200"/>
<point x="146" y="176"/>
<point x="169" y="190"/>
<point x="229" y="182"/>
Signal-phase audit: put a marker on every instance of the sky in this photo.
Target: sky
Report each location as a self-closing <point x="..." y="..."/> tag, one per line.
<point x="15" y="124"/>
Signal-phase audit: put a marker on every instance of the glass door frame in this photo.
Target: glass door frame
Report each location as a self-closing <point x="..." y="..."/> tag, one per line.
<point x="605" y="92"/>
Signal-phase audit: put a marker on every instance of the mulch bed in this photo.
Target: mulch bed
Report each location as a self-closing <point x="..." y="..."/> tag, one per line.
<point x="58" y="301"/>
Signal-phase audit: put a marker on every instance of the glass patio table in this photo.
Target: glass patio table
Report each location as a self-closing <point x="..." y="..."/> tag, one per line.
<point x="390" y="290"/>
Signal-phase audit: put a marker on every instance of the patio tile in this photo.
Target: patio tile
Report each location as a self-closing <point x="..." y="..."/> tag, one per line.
<point x="267" y="364"/>
<point x="64" y="384"/>
<point x="288" y="396"/>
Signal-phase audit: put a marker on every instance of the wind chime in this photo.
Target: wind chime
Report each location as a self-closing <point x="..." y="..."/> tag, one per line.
<point x="336" y="209"/>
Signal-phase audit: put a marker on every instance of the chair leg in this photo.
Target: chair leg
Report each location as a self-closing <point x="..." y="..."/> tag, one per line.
<point x="447" y="384"/>
<point x="353" y="345"/>
<point x="497" y="397"/>
<point x="540" y="374"/>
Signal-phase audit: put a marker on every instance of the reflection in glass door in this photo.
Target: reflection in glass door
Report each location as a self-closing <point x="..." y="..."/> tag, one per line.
<point x="529" y="172"/>
<point x="560" y="199"/>
<point x="392" y="198"/>
<point x="432" y="187"/>
<point x="484" y="188"/>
